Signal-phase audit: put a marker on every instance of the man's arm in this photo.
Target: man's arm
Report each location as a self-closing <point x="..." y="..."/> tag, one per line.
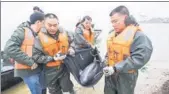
<point x="141" y="50"/>
<point x="39" y="55"/>
<point x="13" y="48"/>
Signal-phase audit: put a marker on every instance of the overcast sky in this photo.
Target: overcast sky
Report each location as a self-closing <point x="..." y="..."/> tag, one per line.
<point x="13" y="13"/>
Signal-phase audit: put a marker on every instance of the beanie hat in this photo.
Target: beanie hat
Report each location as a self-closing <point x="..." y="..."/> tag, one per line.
<point x="36" y="16"/>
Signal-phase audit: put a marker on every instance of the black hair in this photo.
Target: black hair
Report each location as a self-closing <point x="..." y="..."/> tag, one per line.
<point x="120" y="9"/>
<point x="78" y="24"/>
<point x="51" y="15"/>
<point x="36" y="8"/>
<point x="124" y="11"/>
<point x="86" y="18"/>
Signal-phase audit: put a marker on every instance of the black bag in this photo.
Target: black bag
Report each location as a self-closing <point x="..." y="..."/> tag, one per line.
<point x="86" y="66"/>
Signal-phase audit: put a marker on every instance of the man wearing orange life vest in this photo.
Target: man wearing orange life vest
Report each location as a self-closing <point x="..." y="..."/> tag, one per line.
<point x="128" y="49"/>
<point x="19" y="47"/>
<point x="51" y="47"/>
<point x="84" y="35"/>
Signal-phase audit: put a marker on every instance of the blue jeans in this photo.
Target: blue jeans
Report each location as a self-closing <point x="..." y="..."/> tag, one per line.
<point x="33" y="84"/>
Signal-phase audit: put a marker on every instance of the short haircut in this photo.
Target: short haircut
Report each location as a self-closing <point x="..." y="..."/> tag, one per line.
<point x="51" y="15"/>
<point x="120" y="9"/>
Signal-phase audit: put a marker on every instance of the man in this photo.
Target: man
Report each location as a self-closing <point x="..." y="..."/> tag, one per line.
<point x="50" y="49"/>
<point x="44" y="91"/>
<point x="129" y="49"/>
<point x="19" y="47"/>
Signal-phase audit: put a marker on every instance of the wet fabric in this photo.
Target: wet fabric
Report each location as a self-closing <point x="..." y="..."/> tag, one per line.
<point x="120" y="83"/>
<point x="59" y="83"/>
<point x="86" y="66"/>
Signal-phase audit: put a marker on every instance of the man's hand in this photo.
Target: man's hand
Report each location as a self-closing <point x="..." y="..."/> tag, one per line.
<point x="71" y="51"/>
<point x="34" y="66"/>
<point x="59" y="57"/>
<point x="109" y="70"/>
<point x="11" y="60"/>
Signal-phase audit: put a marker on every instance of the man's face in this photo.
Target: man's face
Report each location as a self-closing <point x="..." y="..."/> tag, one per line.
<point x="40" y="24"/>
<point x="118" y="22"/>
<point x="87" y="24"/>
<point x="51" y="24"/>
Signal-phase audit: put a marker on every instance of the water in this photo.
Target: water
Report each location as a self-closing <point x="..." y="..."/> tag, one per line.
<point x="159" y="35"/>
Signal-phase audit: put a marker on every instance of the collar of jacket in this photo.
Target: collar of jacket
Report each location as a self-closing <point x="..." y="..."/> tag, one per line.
<point x="55" y="36"/>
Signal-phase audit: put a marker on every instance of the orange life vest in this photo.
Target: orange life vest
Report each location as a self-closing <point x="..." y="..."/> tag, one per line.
<point x="26" y="47"/>
<point x="52" y="46"/>
<point x="118" y="47"/>
<point x="89" y="37"/>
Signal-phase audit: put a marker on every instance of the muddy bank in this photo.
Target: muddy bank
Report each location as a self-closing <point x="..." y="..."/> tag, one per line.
<point x="165" y="86"/>
<point x="154" y="80"/>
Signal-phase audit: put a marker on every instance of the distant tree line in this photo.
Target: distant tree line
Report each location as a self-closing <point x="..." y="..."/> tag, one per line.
<point x="155" y="20"/>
